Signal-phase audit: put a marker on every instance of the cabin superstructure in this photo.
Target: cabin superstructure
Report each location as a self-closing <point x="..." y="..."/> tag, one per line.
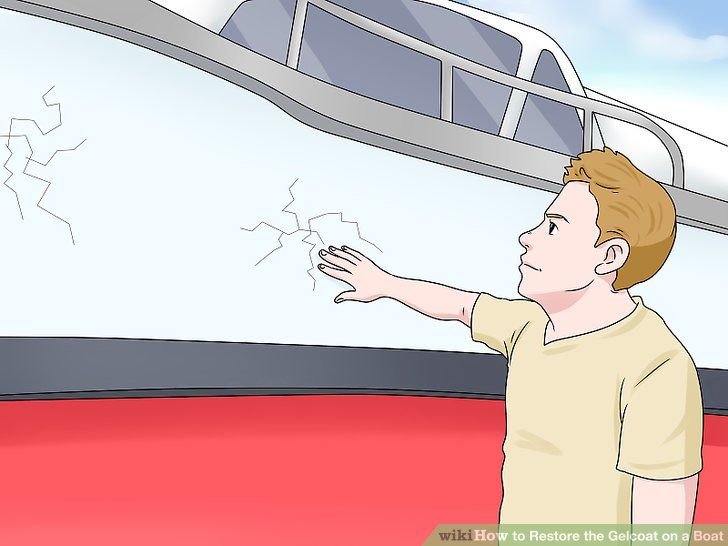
<point x="434" y="79"/>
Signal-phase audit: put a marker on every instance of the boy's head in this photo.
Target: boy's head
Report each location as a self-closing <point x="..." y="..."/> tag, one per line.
<point x="611" y="223"/>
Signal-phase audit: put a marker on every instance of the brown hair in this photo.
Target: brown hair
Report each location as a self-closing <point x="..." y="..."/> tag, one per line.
<point x="631" y="205"/>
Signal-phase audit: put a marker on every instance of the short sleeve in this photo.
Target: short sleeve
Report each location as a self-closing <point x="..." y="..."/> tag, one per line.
<point x="662" y="427"/>
<point x="498" y="322"/>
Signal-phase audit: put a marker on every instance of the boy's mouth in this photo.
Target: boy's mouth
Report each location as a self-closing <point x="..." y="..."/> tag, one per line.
<point x="529" y="265"/>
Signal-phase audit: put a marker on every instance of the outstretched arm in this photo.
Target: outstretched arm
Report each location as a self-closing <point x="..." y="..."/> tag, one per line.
<point x="370" y="282"/>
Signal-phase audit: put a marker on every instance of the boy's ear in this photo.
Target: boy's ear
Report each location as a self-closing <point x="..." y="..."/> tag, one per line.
<point x="615" y="253"/>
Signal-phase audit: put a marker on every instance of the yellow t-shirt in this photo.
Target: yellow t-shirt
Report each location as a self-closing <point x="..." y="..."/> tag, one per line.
<point x="586" y="413"/>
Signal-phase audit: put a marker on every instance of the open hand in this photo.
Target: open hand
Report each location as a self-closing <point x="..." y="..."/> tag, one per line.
<point x="367" y="279"/>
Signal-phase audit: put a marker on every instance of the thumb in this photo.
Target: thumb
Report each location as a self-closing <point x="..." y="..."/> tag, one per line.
<point x="348" y="295"/>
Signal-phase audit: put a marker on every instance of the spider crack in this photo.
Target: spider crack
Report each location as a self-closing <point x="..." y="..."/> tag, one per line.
<point x="30" y="159"/>
<point x="309" y="230"/>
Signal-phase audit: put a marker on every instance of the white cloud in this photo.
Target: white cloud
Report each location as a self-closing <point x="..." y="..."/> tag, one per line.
<point x="672" y="43"/>
<point x="575" y="24"/>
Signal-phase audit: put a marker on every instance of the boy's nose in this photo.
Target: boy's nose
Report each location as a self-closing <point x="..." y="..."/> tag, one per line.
<point x="524" y="240"/>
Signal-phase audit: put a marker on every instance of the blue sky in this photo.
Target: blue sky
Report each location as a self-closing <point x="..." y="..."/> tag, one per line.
<point x="668" y="57"/>
<point x="698" y="18"/>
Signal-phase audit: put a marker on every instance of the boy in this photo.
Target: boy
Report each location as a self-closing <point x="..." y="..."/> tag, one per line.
<point x="604" y="417"/>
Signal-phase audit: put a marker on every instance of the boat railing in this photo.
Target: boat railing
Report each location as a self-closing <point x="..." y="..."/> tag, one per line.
<point x="449" y="60"/>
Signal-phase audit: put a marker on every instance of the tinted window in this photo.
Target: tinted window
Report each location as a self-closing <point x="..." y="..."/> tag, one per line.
<point x="263" y="26"/>
<point x="545" y="122"/>
<point x="443" y="28"/>
<point x="349" y="57"/>
<point x="477" y="102"/>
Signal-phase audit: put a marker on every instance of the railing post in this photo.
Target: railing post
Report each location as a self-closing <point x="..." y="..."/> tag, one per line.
<point x="294" y="46"/>
<point x="588" y="130"/>
<point x="446" y="91"/>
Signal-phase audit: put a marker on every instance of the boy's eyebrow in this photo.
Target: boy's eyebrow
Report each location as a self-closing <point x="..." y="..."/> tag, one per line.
<point x="553" y="215"/>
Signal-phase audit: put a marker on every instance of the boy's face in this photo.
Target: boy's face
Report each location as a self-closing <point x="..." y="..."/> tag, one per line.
<point x="560" y="254"/>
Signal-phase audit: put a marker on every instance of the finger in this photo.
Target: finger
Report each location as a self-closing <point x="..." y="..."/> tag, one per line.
<point x="346" y="296"/>
<point x="355" y="253"/>
<point x="343" y="255"/>
<point x="336" y="273"/>
<point x="341" y="263"/>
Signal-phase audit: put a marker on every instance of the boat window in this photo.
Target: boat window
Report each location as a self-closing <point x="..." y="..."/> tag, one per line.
<point x="347" y="56"/>
<point x="263" y="26"/>
<point x="444" y="28"/>
<point x="547" y="123"/>
<point x="477" y="102"/>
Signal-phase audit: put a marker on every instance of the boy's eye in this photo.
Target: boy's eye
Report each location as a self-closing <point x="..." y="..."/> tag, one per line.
<point x="551" y="227"/>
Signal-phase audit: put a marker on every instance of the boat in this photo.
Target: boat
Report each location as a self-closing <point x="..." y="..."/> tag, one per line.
<point x="214" y="148"/>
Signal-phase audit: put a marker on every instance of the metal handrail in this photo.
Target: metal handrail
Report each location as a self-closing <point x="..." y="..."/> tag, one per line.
<point x="450" y="60"/>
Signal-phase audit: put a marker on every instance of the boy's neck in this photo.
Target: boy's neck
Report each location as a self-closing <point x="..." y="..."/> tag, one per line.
<point x="584" y="310"/>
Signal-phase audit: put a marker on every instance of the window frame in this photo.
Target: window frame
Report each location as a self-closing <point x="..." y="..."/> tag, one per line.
<point x="447" y="58"/>
<point x="375" y="36"/>
<point x="579" y="111"/>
